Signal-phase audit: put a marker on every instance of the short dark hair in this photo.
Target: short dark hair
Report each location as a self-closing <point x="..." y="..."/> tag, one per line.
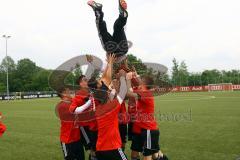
<point x="148" y="81"/>
<point x="80" y="78"/>
<point x="92" y="83"/>
<point x="98" y="94"/>
<point x="60" y="91"/>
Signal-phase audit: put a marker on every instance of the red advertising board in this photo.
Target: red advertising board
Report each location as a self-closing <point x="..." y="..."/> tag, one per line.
<point x="197" y="88"/>
<point x="190" y="89"/>
<point x="236" y="87"/>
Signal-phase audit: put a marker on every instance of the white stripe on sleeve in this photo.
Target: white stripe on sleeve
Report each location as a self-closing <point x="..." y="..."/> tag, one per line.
<point x="82" y="108"/>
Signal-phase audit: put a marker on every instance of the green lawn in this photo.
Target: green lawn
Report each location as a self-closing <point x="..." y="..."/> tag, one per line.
<point x="194" y="126"/>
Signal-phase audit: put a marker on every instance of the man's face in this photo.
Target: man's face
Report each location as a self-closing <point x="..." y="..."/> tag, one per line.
<point x="84" y="83"/>
<point x="67" y="93"/>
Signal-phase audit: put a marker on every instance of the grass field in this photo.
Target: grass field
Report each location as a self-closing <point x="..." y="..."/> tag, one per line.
<point x="194" y="126"/>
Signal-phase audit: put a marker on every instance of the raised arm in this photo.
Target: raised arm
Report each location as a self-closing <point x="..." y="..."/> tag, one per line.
<point x="94" y="65"/>
<point x="123" y="87"/>
<point x="76" y="106"/>
<point x="135" y="75"/>
<point x="130" y="92"/>
<point x="107" y="74"/>
<point x="82" y="108"/>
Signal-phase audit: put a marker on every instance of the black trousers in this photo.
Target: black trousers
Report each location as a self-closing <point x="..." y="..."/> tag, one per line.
<point x="73" y="151"/>
<point x="116" y="43"/>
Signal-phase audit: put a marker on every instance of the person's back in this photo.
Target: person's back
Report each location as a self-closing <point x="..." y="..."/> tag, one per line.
<point x="69" y="132"/>
<point x="146" y="132"/>
<point x="108" y="131"/>
<point x="145" y="111"/>
<point x="109" y="141"/>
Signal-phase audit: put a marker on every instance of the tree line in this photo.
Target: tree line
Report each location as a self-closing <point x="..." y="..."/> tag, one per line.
<point x="182" y="77"/>
<point x="25" y="75"/>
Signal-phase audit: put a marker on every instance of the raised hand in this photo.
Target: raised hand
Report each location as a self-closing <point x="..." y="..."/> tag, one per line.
<point x="125" y="65"/>
<point x="89" y="58"/>
<point x="122" y="73"/>
<point x="111" y="58"/>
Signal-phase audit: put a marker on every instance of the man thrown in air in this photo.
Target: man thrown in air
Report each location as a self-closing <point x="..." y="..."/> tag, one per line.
<point x="116" y="43"/>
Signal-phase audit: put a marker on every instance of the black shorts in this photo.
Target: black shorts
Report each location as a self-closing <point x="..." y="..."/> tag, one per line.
<point x="88" y="138"/>
<point x="147" y="142"/>
<point x="117" y="154"/>
<point x="130" y="133"/>
<point x="93" y="139"/>
<point x="123" y="132"/>
<point x="137" y="142"/>
<point x="73" y="150"/>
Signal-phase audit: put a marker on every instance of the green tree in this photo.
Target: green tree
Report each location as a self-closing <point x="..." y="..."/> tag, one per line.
<point x="3" y="87"/>
<point x="175" y="73"/>
<point x="161" y="79"/>
<point x="194" y="79"/>
<point x="26" y="76"/>
<point x="77" y="71"/>
<point x="183" y="74"/>
<point x="230" y="76"/>
<point x="40" y="80"/>
<point x="9" y="63"/>
<point x="137" y="63"/>
<point x="71" y="79"/>
<point x="26" y="69"/>
<point x="211" y="77"/>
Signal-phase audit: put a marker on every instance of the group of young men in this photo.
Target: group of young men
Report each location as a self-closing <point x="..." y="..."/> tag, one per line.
<point x="107" y="111"/>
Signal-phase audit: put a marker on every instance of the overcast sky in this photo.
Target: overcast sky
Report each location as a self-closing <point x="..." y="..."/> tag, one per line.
<point x="204" y="33"/>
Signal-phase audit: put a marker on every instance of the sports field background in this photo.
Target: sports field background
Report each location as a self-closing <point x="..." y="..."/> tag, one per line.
<point x="212" y="132"/>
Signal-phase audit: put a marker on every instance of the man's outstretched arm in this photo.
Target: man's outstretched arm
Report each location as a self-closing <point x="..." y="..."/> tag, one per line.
<point x="107" y="74"/>
<point x="123" y="87"/>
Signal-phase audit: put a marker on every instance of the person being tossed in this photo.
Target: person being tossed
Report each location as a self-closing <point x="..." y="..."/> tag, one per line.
<point x="116" y="43"/>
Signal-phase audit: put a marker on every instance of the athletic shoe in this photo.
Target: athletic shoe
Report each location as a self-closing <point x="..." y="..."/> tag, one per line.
<point x="95" y="6"/>
<point x="123" y="8"/>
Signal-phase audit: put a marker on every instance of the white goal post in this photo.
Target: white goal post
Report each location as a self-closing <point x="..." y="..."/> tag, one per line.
<point x="220" y="87"/>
